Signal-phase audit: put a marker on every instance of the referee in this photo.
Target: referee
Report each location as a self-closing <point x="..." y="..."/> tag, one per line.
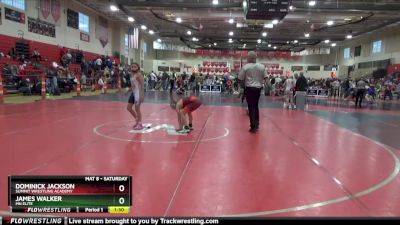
<point x="253" y="75"/>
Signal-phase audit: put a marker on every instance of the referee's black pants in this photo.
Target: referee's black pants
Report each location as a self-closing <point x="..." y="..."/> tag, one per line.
<point x="252" y="98"/>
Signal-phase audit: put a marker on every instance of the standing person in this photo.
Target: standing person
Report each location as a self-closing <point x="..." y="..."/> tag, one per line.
<point x="289" y="87"/>
<point x="253" y="75"/>
<point x="164" y="80"/>
<point x="153" y="80"/>
<point x="360" y="92"/>
<point x="301" y="83"/>
<point x="137" y="96"/>
<point x="172" y="78"/>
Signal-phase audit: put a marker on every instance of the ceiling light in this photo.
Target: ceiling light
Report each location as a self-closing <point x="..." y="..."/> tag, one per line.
<point x="209" y="46"/>
<point x="347" y="19"/>
<point x="189" y="32"/>
<point x="130" y="19"/>
<point x="215" y="43"/>
<point x="349" y="36"/>
<point x="329" y="23"/>
<point x="159" y="40"/>
<point x="269" y="45"/>
<point x="295" y="41"/>
<point x="179" y="20"/>
<point x="264" y="34"/>
<point x="333" y="44"/>
<point x="215" y="2"/>
<point x="312" y="3"/>
<point x="114" y="8"/>
<point x="143" y="27"/>
<point x="275" y="22"/>
<point x="231" y="20"/>
<point x="151" y="32"/>
<point x="327" y="41"/>
<point x="269" y="25"/>
<point x="259" y="41"/>
<point x="195" y="39"/>
<point x="230" y="33"/>
<point x="308" y="21"/>
<point x="287" y="42"/>
<point x="274" y="47"/>
<point x="291" y="7"/>
<point x="307" y="35"/>
<point x="230" y="40"/>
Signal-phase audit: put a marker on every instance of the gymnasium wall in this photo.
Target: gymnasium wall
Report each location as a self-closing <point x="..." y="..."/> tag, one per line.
<point x="389" y="36"/>
<point x="65" y="36"/>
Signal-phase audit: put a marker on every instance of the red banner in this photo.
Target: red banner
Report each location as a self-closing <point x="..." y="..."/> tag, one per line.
<point x="45" y="8"/>
<point x="56" y="10"/>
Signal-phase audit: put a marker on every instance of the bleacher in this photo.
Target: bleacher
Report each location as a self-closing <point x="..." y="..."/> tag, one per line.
<point x="49" y="54"/>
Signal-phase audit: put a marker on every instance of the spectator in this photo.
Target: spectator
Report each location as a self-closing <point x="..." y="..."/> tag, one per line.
<point x="164" y="80"/>
<point x="153" y="80"/>
<point x="98" y="63"/>
<point x="24" y="86"/>
<point x="301" y="83"/>
<point x="12" y="53"/>
<point x="172" y="78"/>
<point x="66" y="59"/>
<point x="102" y="84"/>
<point x="36" y="55"/>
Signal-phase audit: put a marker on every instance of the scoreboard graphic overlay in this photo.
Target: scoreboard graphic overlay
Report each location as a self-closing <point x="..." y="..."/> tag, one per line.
<point x="70" y="194"/>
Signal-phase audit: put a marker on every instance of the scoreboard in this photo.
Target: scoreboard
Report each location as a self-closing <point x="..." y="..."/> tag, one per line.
<point x="70" y="194"/>
<point x="266" y="9"/>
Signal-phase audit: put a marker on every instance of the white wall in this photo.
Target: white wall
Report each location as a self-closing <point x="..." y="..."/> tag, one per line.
<point x="390" y="37"/>
<point x="65" y="36"/>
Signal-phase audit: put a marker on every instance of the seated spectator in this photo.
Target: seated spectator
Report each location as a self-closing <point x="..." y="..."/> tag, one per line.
<point x="97" y="64"/>
<point x="24" y="86"/>
<point x="102" y="83"/>
<point x="36" y="55"/>
<point x="12" y="54"/>
<point x="83" y="82"/>
<point x="66" y="59"/>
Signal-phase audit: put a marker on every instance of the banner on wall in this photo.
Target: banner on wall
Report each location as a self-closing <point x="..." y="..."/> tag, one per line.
<point x="50" y="11"/>
<point x="56" y="11"/>
<point x="313" y="51"/>
<point x="14" y="15"/>
<point x="102" y="31"/>
<point x="297" y="68"/>
<point x="133" y="38"/>
<point x="171" y="47"/>
<point x="175" y="69"/>
<point x="85" y="37"/>
<point x="72" y="19"/>
<point x="41" y="27"/>
<point x="45" y="8"/>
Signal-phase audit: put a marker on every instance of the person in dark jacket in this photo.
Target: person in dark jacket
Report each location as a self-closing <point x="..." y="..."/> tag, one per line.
<point x="301" y="83"/>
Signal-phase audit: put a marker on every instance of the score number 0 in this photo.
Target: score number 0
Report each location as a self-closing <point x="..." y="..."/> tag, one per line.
<point x="121" y="200"/>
